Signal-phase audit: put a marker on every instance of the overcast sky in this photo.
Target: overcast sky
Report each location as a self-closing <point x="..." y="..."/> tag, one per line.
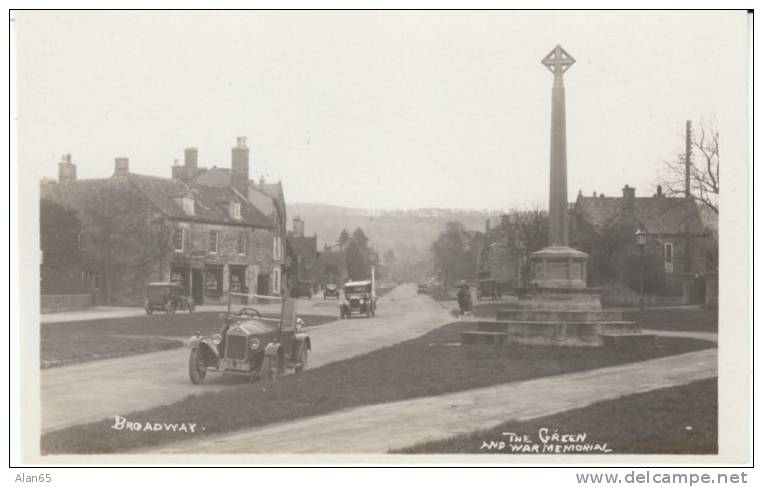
<point x="374" y="110"/>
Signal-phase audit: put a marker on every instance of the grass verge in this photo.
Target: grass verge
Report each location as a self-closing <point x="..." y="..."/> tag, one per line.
<point x="676" y="420"/>
<point x="676" y="319"/>
<point x="425" y="366"/>
<point x="83" y="341"/>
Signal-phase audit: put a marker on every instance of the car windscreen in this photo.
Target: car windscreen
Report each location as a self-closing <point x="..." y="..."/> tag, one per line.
<point x="356" y="289"/>
<point x="156" y="292"/>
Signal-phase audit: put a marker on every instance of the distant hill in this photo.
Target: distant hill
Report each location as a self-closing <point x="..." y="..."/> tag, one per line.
<point x="409" y="233"/>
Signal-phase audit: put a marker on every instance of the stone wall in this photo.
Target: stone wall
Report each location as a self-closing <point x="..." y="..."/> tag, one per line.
<point x="51" y="303"/>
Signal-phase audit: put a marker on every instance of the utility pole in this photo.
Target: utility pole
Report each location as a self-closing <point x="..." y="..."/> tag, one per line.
<point x="688" y="281"/>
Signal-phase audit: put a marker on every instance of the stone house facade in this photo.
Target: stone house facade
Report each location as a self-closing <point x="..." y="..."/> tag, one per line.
<point x="681" y="249"/>
<point x="193" y="229"/>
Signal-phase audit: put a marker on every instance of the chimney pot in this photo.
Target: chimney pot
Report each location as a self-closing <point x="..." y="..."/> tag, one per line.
<point x="594" y="194"/>
<point x="659" y="191"/>
<point x="67" y="172"/>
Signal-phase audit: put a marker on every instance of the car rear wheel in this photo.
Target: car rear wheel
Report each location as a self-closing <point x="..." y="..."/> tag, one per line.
<point x="197" y="370"/>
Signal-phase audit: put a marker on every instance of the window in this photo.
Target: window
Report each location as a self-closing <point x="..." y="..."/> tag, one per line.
<point x="242" y="243"/>
<point x="668" y="257"/>
<point x="91" y="279"/>
<point x="214" y="241"/>
<point x="277" y="248"/>
<point x="178" y="239"/>
<point x="213" y="280"/>
<point x="81" y="241"/>
<point x="189" y="205"/>
<point x="235" y="210"/>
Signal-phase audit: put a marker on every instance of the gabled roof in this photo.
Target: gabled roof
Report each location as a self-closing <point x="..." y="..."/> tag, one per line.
<point x="657" y="215"/>
<point x="211" y="202"/>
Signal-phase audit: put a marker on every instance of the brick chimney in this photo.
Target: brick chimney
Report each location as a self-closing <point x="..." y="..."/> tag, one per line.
<point x="629" y="200"/>
<point x="67" y="172"/>
<point x="192" y="157"/>
<point x="298" y="227"/>
<point x="121" y="166"/>
<point x="240" y="166"/>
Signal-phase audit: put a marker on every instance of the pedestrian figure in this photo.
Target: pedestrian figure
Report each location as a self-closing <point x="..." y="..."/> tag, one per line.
<point x="464" y="299"/>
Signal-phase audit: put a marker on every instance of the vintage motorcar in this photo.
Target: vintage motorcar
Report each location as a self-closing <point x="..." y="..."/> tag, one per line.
<point x="331" y="291"/>
<point x="488" y="288"/>
<point x="358" y="300"/>
<point x="249" y="345"/>
<point x="423" y="288"/>
<point x="168" y="297"/>
<point x="303" y="289"/>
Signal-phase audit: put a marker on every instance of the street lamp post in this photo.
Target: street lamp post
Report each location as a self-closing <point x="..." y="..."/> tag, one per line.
<point x="641" y="242"/>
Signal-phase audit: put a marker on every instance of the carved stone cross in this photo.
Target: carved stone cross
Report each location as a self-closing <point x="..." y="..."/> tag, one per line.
<point x="558" y="60"/>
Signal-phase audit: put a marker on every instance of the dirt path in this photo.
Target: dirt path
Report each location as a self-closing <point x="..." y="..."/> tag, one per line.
<point x="95" y="390"/>
<point x="379" y="428"/>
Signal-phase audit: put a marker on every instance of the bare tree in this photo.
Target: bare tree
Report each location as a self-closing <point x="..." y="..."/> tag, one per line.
<point x="704" y="170"/>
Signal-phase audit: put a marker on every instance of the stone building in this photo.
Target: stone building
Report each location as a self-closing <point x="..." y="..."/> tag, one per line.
<point x="305" y="249"/>
<point x="682" y="248"/>
<point x="211" y="230"/>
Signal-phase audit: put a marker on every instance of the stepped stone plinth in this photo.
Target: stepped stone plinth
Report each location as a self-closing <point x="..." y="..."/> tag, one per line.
<point x="589" y="328"/>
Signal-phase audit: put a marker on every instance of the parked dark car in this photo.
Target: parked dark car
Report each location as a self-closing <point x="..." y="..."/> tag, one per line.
<point x="488" y="288"/>
<point x="167" y="297"/>
<point x="331" y="291"/>
<point x="358" y="300"/>
<point x="424" y="288"/>
<point x="249" y="345"/>
<point x="303" y="289"/>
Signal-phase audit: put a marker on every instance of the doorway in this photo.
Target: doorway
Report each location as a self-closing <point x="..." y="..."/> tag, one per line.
<point x="197" y="291"/>
<point x="263" y="284"/>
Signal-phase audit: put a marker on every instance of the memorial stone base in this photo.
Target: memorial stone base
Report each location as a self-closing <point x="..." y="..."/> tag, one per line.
<point x="558" y="309"/>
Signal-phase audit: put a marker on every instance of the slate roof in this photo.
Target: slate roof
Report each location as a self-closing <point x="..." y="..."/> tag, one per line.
<point x="211" y="202"/>
<point x="657" y="215"/>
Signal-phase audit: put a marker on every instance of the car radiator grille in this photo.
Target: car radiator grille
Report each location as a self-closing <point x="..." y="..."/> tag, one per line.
<point x="235" y="347"/>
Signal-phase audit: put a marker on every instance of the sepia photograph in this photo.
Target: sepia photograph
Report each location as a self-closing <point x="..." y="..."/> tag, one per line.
<point x="383" y="237"/>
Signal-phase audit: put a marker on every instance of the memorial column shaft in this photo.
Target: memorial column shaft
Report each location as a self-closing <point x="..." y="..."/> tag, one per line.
<point x="557" y="218"/>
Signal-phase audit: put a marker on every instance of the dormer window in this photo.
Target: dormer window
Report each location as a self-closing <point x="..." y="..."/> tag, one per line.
<point x="235" y="210"/>
<point x="189" y="205"/>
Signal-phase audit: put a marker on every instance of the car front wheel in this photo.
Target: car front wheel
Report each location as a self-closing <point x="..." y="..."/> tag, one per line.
<point x="197" y="370"/>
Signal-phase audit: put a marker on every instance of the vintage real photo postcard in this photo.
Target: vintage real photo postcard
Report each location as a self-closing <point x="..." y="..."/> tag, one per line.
<point x="383" y="236"/>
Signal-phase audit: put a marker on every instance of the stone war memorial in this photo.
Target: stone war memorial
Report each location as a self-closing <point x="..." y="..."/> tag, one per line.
<point x="560" y="309"/>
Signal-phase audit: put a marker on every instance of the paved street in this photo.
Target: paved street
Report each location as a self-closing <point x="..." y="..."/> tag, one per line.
<point x="95" y="390"/>
<point x="316" y="306"/>
<point x="381" y="427"/>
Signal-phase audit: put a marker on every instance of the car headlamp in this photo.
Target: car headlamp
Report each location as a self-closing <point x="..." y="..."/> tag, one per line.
<point x="255" y="344"/>
<point x="216" y="339"/>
